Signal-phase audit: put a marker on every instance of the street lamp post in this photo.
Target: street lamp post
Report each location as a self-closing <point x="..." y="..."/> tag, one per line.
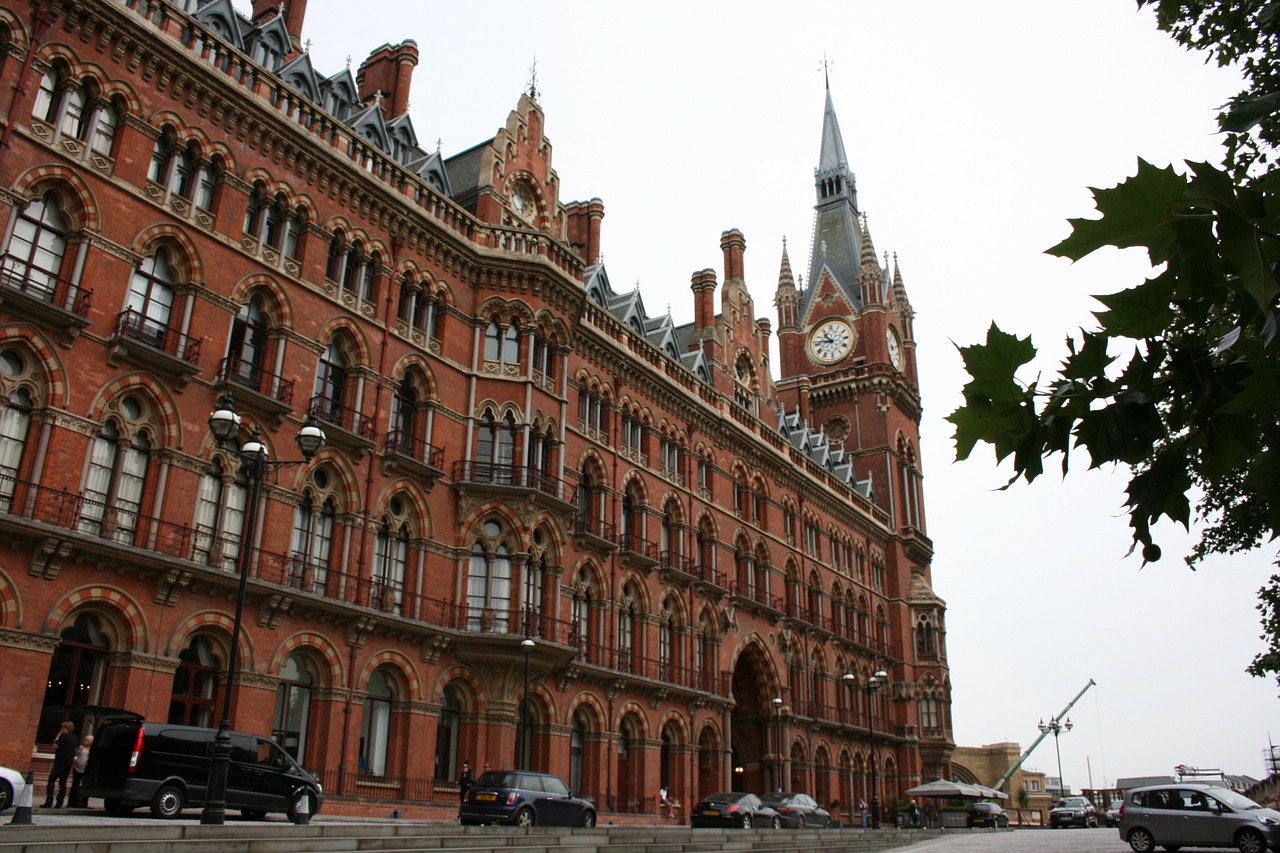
<point x="1055" y="725"/>
<point x="777" y="741"/>
<point x="527" y="646"/>
<point x="875" y="681"/>
<point x="224" y="424"/>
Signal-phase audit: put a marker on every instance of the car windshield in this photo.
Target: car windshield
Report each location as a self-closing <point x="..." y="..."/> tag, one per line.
<point x="1231" y="798"/>
<point x="1072" y="803"/>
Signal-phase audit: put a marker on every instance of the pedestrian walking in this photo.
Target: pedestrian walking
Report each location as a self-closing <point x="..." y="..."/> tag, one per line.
<point x="465" y="781"/>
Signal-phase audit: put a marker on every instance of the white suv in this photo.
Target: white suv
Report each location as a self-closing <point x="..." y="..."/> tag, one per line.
<point x="1194" y="814"/>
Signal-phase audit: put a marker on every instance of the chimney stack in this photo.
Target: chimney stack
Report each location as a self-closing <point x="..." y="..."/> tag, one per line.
<point x="389" y="70"/>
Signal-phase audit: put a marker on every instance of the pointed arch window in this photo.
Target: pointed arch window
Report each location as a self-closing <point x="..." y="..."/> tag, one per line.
<point x="293" y="707"/>
<point x="246" y="346"/>
<point x="150" y="302"/>
<point x="390" y="562"/>
<point x="114" y="484"/>
<point x="448" y="729"/>
<point x="312" y="545"/>
<point x="489" y="583"/>
<point x="76" y="675"/>
<point x="36" y="250"/>
<point x="194" y="683"/>
<point x="580" y="614"/>
<point x="375" y="724"/>
<point x="668" y="650"/>
<point x="331" y="383"/>
<point x="220" y="508"/>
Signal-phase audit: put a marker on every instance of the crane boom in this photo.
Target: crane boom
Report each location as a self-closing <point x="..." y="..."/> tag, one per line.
<point x="1027" y="752"/>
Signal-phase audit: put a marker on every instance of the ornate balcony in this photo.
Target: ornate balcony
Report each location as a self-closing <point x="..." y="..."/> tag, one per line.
<point x="154" y="346"/>
<point x="41" y="295"/>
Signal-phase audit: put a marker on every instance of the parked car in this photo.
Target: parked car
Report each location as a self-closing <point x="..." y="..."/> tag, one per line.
<point x="1113" y="812"/>
<point x="797" y="810"/>
<point x="986" y="814"/>
<point x="1196" y="814"/>
<point x="166" y="767"/>
<point x="734" y="808"/>
<point x="12" y="784"/>
<point x="1073" y="811"/>
<point x="524" y="798"/>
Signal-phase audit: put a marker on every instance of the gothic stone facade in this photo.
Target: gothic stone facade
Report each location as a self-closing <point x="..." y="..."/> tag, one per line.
<point x="709" y="562"/>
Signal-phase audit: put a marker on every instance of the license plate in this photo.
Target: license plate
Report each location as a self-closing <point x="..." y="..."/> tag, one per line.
<point x="710" y="813"/>
<point x="488" y="798"/>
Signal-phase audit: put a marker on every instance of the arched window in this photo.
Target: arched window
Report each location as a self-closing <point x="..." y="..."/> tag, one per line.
<point x="577" y="750"/>
<point x="150" y="303"/>
<point x="629" y="629"/>
<point x="667" y="651"/>
<point x="293" y="707"/>
<point x="331" y="383"/>
<point x="926" y="644"/>
<point x="489" y="582"/>
<point x="246" y="347"/>
<point x="33" y="262"/>
<point x="390" y="560"/>
<point x="496" y="448"/>
<point x="580" y="615"/>
<point x="492" y="341"/>
<point x="161" y="156"/>
<point x="312" y="546"/>
<point x="15" y="423"/>
<point x="220" y="507"/>
<point x="115" y="481"/>
<point x="375" y="726"/>
<point x="76" y="675"/>
<point x="448" y="729"/>
<point x="194" y="683"/>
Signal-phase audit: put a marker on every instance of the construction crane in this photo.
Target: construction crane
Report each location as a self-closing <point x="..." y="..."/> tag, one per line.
<point x="1021" y="758"/>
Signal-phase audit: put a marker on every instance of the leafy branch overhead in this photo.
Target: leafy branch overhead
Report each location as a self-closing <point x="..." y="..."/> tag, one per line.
<point x="1178" y="381"/>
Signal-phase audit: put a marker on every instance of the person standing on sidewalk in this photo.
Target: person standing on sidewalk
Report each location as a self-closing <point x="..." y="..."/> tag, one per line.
<point x="64" y="755"/>
<point x="75" y="800"/>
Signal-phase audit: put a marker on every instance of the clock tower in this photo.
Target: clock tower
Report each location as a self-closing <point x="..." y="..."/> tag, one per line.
<point x="845" y="338"/>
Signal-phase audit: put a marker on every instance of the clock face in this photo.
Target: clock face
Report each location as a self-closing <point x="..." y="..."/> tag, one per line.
<point x="895" y="348"/>
<point x="831" y="341"/>
<point x="522" y="201"/>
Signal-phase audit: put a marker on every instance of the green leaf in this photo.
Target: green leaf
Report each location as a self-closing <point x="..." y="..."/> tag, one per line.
<point x="1145" y="311"/>
<point x="993" y="365"/>
<point x="1137" y="212"/>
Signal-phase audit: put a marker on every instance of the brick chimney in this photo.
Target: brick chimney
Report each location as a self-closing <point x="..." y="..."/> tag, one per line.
<point x="584" y="219"/>
<point x="733" y="244"/>
<point x="389" y="70"/>
<point x="703" y="286"/>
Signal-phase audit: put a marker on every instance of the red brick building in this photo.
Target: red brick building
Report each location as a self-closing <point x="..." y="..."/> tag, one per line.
<point x="708" y="560"/>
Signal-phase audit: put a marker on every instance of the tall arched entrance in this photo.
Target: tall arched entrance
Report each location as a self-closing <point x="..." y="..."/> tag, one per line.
<point x="756" y="733"/>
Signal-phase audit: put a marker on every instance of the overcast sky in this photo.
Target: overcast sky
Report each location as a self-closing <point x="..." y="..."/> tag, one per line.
<point x="974" y="131"/>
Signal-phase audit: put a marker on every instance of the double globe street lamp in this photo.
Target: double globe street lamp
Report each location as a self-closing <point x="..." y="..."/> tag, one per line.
<point x="875" y="681"/>
<point x="1055" y="725"/>
<point x="224" y="425"/>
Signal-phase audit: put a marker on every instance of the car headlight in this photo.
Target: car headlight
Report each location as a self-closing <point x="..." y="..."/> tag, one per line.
<point x="1269" y="821"/>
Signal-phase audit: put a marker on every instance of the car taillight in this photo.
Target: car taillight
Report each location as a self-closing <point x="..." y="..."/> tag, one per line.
<point x="1122" y="812"/>
<point x="511" y="798"/>
<point x="137" y="750"/>
<point x="732" y="809"/>
<point x="785" y="809"/>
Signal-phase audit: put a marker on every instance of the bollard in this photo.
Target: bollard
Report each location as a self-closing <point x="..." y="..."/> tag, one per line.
<point x="22" y="806"/>
<point x="302" y="814"/>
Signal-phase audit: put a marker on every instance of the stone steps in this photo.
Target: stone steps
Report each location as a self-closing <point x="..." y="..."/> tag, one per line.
<point x="130" y="836"/>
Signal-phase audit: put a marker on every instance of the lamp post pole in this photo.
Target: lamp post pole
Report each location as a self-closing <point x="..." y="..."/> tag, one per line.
<point x="875" y="681"/>
<point x="527" y="646"/>
<point x="224" y="424"/>
<point x="1055" y="725"/>
<point x="777" y="741"/>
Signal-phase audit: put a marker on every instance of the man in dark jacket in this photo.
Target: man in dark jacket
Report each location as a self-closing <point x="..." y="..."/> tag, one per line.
<point x="64" y="756"/>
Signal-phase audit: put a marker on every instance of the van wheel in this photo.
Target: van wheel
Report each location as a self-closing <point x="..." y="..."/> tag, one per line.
<point x="296" y="805"/>
<point x="1141" y="841"/>
<point x="524" y="817"/>
<point x="167" y="802"/>
<point x="1251" y="841"/>
<point x="252" y="814"/>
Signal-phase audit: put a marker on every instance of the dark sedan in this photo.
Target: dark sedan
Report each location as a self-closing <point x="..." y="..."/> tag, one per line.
<point x="734" y="808"/>
<point x="524" y="799"/>
<point x="798" y="810"/>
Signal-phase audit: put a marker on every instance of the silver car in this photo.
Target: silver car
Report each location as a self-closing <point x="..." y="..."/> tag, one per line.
<point x="1195" y="814"/>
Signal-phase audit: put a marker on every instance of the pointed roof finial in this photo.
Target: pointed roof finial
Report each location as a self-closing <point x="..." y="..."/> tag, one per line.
<point x="785" y="278"/>
<point x="826" y="70"/>
<point x="306" y="46"/>
<point x="348" y="62"/>
<point x="439" y="144"/>
<point x="533" y="78"/>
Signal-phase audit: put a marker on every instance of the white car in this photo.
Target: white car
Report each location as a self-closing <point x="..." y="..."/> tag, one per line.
<point x="12" y="785"/>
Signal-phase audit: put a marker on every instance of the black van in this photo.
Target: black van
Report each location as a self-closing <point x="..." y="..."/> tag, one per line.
<point x="166" y="767"/>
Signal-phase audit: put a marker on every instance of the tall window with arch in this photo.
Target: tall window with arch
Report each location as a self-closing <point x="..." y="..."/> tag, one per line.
<point x="221" y="503"/>
<point x="578" y="734"/>
<point x="390" y="558"/>
<point x="629" y="638"/>
<point x="489" y="581"/>
<point x="117" y="473"/>
<point x="16" y="383"/>
<point x="375" y="724"/>
<point x="247" y="345"/>
<point x="33" y="260"/>
<point x="292" y="719"/>
<point x="150" y="304"/>
<point x="76" y="675"/>
<point x="449" y="734"/>
<point x="312" y="541"/>
<point x="535" y="577"/>
<point x="496" y="448"/>
<point x="77" y="111"/>
<point x="580" y="613"/>
<point x="194" y="684"/>
<point x="668" y="641"/>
